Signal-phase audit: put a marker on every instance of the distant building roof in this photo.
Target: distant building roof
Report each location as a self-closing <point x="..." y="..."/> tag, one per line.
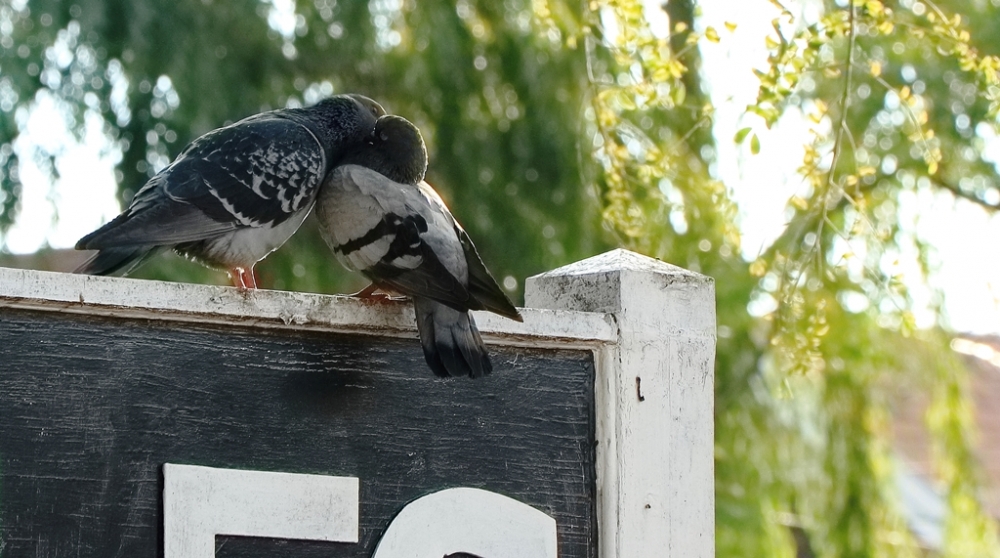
<point x="924" y="503"/>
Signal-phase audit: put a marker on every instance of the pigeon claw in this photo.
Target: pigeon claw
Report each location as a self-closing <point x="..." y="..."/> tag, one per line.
<point x="243" y="278"/>
<point x="377" y="295"/>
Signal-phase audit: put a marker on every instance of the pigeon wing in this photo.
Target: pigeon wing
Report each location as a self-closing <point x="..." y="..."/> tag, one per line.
<point x="256" y="172"/>
<point x="155" y="219"/>
<point x="430" y="279"/>
<point x="390" y="232"/>
<point x="483" y="288"/>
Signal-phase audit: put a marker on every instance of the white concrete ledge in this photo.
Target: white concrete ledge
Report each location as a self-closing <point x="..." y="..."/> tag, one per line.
<point x="186" y="302"/>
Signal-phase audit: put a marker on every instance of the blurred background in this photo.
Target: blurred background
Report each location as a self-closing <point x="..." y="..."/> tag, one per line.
<point x="833" y="165"/>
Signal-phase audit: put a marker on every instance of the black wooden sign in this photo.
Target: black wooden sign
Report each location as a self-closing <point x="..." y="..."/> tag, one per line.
<point x="91" y="408"/>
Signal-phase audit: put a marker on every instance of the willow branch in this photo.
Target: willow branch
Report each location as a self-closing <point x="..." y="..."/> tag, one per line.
<point x="958" y="192"/>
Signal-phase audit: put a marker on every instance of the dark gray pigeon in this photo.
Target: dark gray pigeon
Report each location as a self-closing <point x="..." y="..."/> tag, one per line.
<point x="380" y="218"/>
<point x="235" y="194"/>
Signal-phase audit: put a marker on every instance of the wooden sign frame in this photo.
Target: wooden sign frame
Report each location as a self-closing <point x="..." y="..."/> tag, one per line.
<point x="649" y="326"/>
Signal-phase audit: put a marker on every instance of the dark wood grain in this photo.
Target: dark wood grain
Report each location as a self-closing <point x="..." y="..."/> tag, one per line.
<point x="90" y="409"/>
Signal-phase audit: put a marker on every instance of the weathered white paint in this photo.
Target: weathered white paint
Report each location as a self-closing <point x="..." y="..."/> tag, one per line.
<point x="202" y="502"/>
<point x="137" y="298"/>
<point x="469" y="520"/>
<point x="654" y="390"/>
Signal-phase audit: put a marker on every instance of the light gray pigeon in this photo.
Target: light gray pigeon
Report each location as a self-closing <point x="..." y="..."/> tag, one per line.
<point x="235" y="194"/>
<point x="380" y="218"/>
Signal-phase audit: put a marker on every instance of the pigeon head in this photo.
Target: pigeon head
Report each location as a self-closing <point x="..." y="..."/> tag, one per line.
<point x="341" y="120"/>
<point x="371" y="106"/>
<point x="396" y="150"/>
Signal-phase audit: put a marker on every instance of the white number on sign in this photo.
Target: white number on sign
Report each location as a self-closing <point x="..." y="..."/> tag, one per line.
<point x="202" y="502"/>
<point x="469" y="521"/>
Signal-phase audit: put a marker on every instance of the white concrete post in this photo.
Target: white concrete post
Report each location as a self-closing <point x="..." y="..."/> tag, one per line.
<point x="654" y="398"/>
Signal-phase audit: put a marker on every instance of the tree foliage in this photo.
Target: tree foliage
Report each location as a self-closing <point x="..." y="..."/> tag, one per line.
<point x="558" y="129"/>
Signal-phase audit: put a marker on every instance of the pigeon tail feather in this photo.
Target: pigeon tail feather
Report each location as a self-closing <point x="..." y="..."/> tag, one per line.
<point x="111" y="260"/>
<point x="450" y="340"/>
<point x="85" y="242"/>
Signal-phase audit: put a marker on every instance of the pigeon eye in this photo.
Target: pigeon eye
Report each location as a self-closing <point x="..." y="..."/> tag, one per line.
<point x="384" y="136"/>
